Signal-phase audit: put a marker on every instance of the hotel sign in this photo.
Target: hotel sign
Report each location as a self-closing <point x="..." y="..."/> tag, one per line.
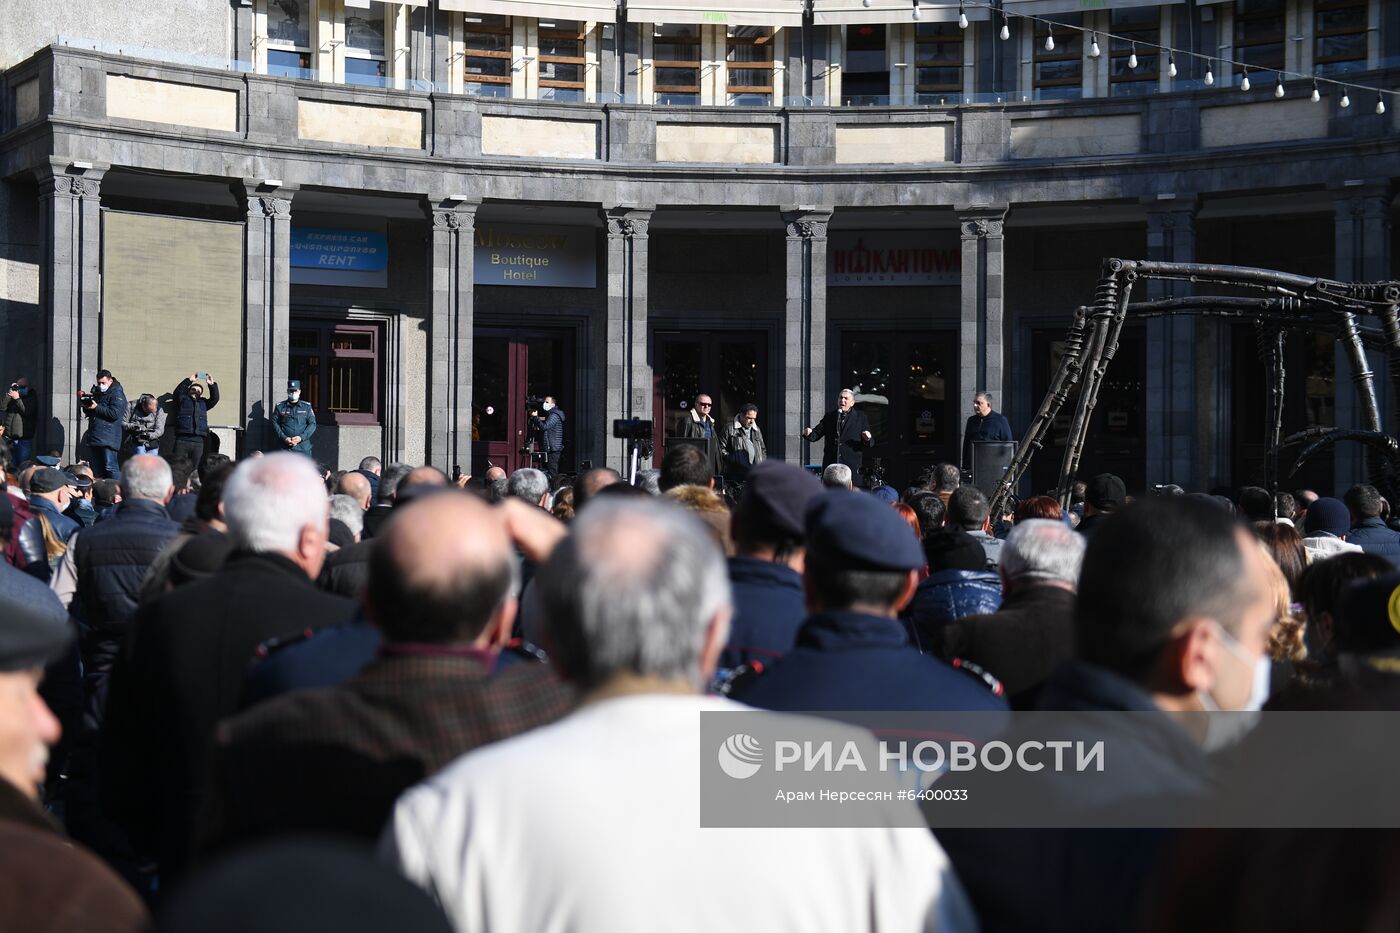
<point x="895" y="257"/>
<point x="549" y="257"/>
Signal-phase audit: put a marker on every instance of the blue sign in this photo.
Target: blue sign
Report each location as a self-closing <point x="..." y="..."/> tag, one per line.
<point x="345" y="250"/>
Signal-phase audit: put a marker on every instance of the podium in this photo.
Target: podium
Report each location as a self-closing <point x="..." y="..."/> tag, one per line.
<point x="989" y="462"/>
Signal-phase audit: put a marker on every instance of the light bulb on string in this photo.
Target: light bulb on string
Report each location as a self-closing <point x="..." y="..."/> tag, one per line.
<point x="962" y="17"/>
<point x="1380" y="103"/>
<point x="866" y="3"/>
<point x="1210" y="77"/>
<point x="1094" y="46"/>
<point x="1005" y="28"/>
<point x="1050" y="42"/>
<point x="1278" y="87"/>
<point x="1244" y="84"/>
<point x="916" y="9"/>
<point x="1171" y="66"/>
<point x="1345" y="102"/>
<point x="1132" y="58"/>
<point x="1316" y="94"/>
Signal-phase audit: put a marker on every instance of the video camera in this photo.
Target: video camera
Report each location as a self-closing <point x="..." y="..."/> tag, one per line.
<point x="532" y="405"/>
<point x="632" y="429"/>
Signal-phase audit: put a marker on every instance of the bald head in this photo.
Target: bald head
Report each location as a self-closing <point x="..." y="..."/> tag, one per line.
<point x="589" y="483"/>
<point x="421" y="476"/>
<point x="356" y="487"/>
<point x="443" y="572"/>
<point x="494" y="474"/>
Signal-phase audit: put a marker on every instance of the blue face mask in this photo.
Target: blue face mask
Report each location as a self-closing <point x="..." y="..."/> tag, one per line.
<point x="294" y="396"/>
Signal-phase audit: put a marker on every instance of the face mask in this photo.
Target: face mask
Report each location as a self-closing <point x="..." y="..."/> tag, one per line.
<point x="101" y="388"/>
<point x="1259" y="687"/>
<point x="548" y="406"/>
<point x="294" y="396"/>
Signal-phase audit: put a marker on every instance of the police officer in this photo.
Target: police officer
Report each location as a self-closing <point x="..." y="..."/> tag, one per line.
<point x="294" y="421"/>
<point x="861" y="567"/>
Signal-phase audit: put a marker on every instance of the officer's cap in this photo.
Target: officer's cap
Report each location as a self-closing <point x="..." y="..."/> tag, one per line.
<point x="293" y="385"/>
<point x="861" y="532"/>
<point x="776" y="495"/>
<point x="46" y="460"/>
<point x="28" y="638"/>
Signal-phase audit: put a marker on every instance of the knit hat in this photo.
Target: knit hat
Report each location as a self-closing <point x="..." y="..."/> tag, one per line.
<point x="1327" y="515"/>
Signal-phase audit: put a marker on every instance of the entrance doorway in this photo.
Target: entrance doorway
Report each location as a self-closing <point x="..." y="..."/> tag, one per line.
<point x="509" y="367"/>
<point x="907" y="385"/>
<point x="732" y="367"/>
<point x="1117" y="439"/>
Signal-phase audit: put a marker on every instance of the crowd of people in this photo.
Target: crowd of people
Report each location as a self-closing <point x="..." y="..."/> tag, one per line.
<point x="485" y="690"/>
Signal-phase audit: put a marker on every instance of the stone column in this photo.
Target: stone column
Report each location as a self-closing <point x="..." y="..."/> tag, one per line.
<point x="1362" y="248"/>
<point x="982" y="330"/>
<point x="267" y="243"/>
<point x="627" y="385"/>
<point x="804" y="332"/>
<point x="451" y="322"/>
<point x="1171" y="369"/>
<point x="70" y="297"/>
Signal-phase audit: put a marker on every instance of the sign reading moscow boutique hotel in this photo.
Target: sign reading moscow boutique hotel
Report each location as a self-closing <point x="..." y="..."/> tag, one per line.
<point x="557" y="257"/>
<point x="895" y="257"/>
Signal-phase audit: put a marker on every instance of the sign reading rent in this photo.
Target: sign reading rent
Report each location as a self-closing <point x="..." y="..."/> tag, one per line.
<point x="552" y="257"/>
<point x="322" y="256"/>
<point x="912" y="257"/>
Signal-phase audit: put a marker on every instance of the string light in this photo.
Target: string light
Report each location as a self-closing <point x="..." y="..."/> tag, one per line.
<point x="1095" y="51"/>
<point x="867" y="3"/>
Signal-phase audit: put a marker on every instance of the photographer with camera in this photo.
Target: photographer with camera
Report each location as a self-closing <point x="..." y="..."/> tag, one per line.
<point x="145" y="425"/>
<point x="550" y="426"/>
<point x="21" y="417"/>
<point x="191" y="410"/>
<point x="104" y="405"/>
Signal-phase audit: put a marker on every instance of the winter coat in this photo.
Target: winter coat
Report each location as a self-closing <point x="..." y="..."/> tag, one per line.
<point x="105" y="418"/>
<point x="735" y="456"/>
<point x="21" y="415"/>
<point x="946" y="596"/>
<point x="144" y="429"/>
<point x="192" y="414"/>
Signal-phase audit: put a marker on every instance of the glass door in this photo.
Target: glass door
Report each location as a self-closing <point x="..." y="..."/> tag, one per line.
<point x="731" y="367"/>
<point x="510" y="369"/>
<point x="907" y="385"/>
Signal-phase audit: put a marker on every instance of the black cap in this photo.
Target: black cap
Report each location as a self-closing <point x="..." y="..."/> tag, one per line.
<point x="27" y="637"/>
<point x="48" y="479"/>
<point x="1328" y="515"/>
<point x="954" y="549"/>
<point x="777" y="494"/>
<point x="46" y="460"/>
<point x="1105" y="492"/>
<point x="861" y="532"/>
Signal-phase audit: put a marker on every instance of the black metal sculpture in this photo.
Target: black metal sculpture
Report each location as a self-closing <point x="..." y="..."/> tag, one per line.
<point x="1289" y="303"/>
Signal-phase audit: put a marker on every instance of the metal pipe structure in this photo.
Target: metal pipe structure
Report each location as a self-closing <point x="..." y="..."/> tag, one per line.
<point x="1295" y="302"/>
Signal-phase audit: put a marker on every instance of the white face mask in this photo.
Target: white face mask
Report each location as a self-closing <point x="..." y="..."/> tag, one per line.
<point x="101" y="388"/>
<point x="1226" y="727"/>
<point x="548" y="406"/>
<point x="294" y="395"/>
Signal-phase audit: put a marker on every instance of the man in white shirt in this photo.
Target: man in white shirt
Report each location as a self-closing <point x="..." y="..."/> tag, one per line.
<point x="593" y="823"/>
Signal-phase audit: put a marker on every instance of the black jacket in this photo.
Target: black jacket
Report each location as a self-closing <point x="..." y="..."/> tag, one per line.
<point x="844" y="443"/>
<point x="192" y="414"/>
<point x="1022" y="642"/>
<point x="182" y="671"/>
<point x="992" y="427"/>
<point x="21" y="415"/>
<point x="551" y="428"/>
<point x="105" y="418"/>
<point x="112" y="559"/>
<point x="346" y="572"/>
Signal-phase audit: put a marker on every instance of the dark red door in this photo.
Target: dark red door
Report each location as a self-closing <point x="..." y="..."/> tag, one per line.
<point x="509" y="368"/>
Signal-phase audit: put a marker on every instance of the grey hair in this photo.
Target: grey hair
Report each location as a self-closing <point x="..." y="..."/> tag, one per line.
<point x="837" y="476"/>
<point x="529" y="484"/>
<point x="370" y="463"/>
<point x="632" y="590"/>
<point x="268" y="501"/>
<point x="850" y="392"/>
<point x="649" y="482"/>
<point x="146" y="476"/>
<point x="347" y="509"/>
<point x="390" y="478"/>
<point x="1043" y="549"/>
<point x="496" y="491"/>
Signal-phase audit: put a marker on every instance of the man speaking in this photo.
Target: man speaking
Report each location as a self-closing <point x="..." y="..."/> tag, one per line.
<point x="847" y="433"/>
<point x="983" y="425"/>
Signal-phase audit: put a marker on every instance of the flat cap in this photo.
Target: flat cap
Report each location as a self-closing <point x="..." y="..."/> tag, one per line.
<point x="861" y="532"/>
<point x="777" y="494"/>
<point x="28" y="638"/>
<point x="48" y="479"/>
<point x="1105" y="492"/>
